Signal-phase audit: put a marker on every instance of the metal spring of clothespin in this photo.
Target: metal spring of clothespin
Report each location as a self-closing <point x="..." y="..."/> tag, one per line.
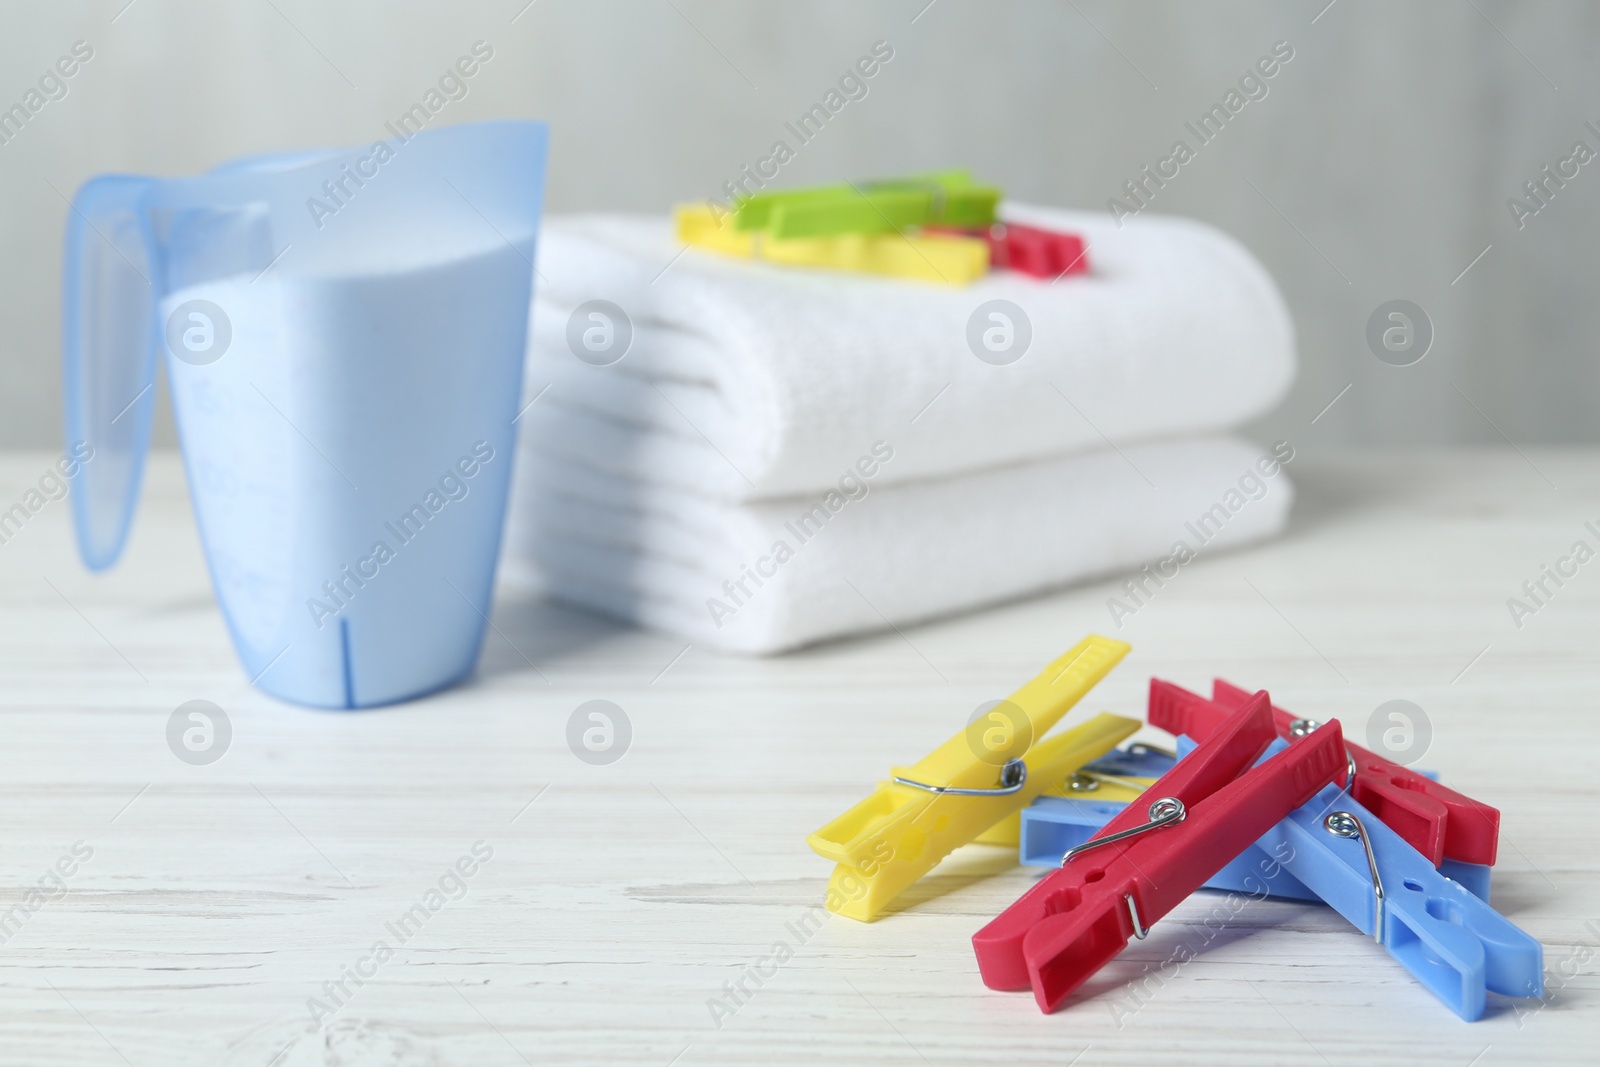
<point x="1013" y="776"/>
<point x="1164" y="812"/>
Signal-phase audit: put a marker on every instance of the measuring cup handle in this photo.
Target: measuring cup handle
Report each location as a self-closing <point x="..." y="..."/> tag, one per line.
<point x="109" y="339"/>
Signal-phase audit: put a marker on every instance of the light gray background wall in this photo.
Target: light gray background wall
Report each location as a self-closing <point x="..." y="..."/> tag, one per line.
<point x="1378" y="166"/>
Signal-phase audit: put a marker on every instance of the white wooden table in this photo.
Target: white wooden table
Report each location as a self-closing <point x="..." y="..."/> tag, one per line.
<point x="619" y="899"/>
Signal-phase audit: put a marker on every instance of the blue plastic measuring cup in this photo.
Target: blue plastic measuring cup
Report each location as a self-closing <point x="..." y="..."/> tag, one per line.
<point x="343" y="334"/>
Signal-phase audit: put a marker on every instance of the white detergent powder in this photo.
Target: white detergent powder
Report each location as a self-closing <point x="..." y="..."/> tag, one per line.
<point x="344" y="388"/>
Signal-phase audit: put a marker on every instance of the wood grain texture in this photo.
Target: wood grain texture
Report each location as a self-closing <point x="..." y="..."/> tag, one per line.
<point x="619" y="899"/>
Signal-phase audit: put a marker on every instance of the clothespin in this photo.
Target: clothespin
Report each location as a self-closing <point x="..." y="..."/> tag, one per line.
<point x="1205" y="811"/>
<point x="986" y="772"/>
<point x="949" y="198"/>
<point x="1450" y="940"/>
<point x="1030" y="250"/>
<point x="1436" y="820"/>
<point x="923" y="257"/>
<point x="939" y="258"/>
<point x="703" y="226"/>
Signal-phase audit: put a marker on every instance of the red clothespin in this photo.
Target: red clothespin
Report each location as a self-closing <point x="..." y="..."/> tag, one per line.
<point x="1434" y="819"/>
<point x="1029" y="249"/>
<point x="1186" y="827"/>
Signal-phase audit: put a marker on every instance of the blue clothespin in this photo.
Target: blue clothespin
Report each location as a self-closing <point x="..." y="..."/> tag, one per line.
<point x="1451" y="941"/>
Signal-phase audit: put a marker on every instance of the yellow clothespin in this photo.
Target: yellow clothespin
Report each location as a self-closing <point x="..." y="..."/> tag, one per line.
<point x="984" y="774"/>
<point x="940" y="258"/>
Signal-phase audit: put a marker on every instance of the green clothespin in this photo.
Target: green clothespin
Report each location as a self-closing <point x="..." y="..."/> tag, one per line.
<point x="947" y="198"/>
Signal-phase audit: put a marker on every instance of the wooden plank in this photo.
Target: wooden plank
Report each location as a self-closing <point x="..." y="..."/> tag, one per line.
<point x="620" y="899"/>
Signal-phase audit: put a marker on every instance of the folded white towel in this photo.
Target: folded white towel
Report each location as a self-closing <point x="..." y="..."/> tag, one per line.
<point x="772" y="575"/>
<point x="748" y="380"/>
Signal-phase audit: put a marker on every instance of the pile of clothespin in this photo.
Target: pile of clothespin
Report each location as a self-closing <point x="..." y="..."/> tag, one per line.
<point x="939" y="227"/>
<point x="1252" y="799"/>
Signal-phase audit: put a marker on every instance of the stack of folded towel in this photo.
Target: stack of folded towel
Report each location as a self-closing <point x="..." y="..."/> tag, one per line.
<point x="770" y="457"/>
